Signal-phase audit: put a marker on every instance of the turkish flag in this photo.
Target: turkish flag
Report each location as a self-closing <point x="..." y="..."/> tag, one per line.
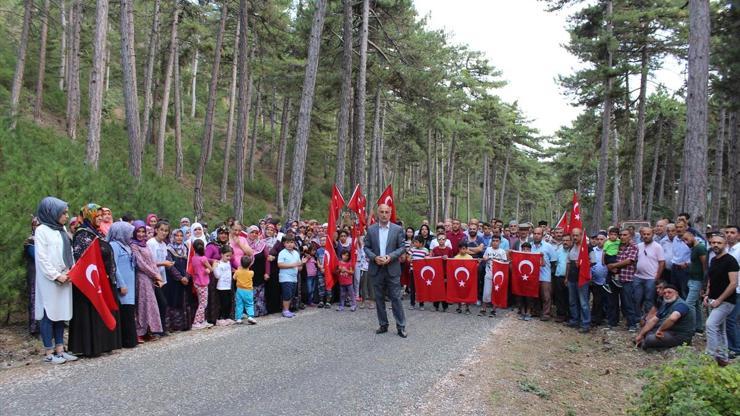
<point x="337" y="200"/>
<point x="462" y="280"/>
<point x="89" y="276"/>
<point x="331" y="224"/>
<point x="355" y="245"/>
<point x="387" y="198"/>
<point x="525" y="273"/>
<point x="358" y="204"/>
<point x="500" y="280"/>
<point x="429" y="279"/>
<point x="330" y="263"/>
<point x="575" y="217"/>
<point x="563" y="223"/>
<point x="584" y="263"/>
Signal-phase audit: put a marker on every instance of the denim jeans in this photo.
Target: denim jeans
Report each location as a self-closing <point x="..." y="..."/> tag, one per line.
<point x="733" y="335"/>
<point x="51" y="329"/>
<point x="716" y="330"/>
<point x="310" y="288"/>
<point x="680" y="278"/>
<point x="695" y="301"/>
<point x="624" y="296"/>
<point x="644" y="295"/>
<point x="580" y="311"/>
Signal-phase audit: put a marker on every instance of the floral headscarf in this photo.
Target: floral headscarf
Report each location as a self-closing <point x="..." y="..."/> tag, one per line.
<point x="89" y="213"/>
<point x="138" y="224"/>
<point x="257" y="244"/>
<point x="105" y="225"/>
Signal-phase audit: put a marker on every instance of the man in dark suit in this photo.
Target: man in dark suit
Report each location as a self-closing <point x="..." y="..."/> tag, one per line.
<point x="383" y="246"/>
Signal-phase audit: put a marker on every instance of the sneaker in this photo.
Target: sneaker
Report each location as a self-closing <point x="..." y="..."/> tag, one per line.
<point x="251" y="321"/>
<point x="421" y="308"/>
<point x="288" y="314"/>
<point x="477" y="303"/>
<point x="69" y="357"/>
<point x="412" y="307"/>
<point x="607" y="288"/>
<point x="458" y="310"/>
<point x="632" y="328"/>
<point x="301" y="306"/>
<point x="482" y="312"/>
<point x="340" y="308"/>
<point x="219" y="322"/>
<point x="320" y="305"/>
<point x="467" y="311"/>
<point x="492" y="314"/>
<point x="362" y="305"/>
<point x="238" y="321"/>
<point x="54" y="359"/>
<point x="354" y="308"/>
<point x="527" y="317"/>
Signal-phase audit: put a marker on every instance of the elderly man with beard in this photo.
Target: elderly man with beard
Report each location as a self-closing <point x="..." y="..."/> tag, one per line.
<point x="672" y="325"/>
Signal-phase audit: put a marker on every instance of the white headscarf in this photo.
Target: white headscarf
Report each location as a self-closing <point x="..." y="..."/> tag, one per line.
<point x="193" y="237"/>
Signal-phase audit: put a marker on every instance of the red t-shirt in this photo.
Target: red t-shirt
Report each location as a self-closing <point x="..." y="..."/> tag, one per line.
<point x="440" y="251"/>
<point x="345" y="279"/>
<point x="454" y="238"/>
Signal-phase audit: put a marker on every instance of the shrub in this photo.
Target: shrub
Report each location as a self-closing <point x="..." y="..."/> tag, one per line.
<point x="692" y="384"/>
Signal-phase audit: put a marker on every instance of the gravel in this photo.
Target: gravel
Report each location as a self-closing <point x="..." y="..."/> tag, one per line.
<point x="319" y="362"/>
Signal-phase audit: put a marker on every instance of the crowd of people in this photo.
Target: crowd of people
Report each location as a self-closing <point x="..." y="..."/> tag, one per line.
<point x="178" y="277"/>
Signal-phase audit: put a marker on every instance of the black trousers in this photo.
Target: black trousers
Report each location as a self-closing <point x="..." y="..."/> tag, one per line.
<point x="224" y="302"/>
<point x="599" y="304"/>
<point x="128" y="326"/>
<point x="560" y="296"/>
<point x="162" y="305"/>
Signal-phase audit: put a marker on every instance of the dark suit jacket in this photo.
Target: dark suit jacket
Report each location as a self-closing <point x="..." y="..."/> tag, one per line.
<point x="394" y="248"/>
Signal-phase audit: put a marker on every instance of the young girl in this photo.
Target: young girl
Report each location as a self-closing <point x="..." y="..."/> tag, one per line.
<point x="222" y="270"/>
<point x="494" y="252"/>
<point x="201" y="270"/>
<point x="345" y="282"/>
<point x="312" y="272"/>
<point x="244" y="291"/>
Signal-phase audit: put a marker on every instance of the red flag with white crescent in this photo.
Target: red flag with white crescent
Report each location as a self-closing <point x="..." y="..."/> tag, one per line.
<point x="337" y="200"/>
<point x="358" y="204"/>
<point x="584" y="263"/>
<point x="429" y="279"/>
<point x="387" y="198"/>
<point x="525" y="273"/>
<point x="462" y="280"/>
<point x="576" y="221"/>
<point x="563" y="222"/>
<point x="330" y="263"/>
<point x="89" y="277"/>
<point x="500" y="284"/>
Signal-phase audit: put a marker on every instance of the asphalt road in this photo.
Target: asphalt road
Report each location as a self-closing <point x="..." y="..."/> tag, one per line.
<point x="321" y="362"/>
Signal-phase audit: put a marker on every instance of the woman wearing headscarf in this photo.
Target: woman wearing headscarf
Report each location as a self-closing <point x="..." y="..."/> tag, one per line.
<point x="179" y="289"/>
<point x="119" y="237"/>
<point x="53" y="258"/>
<point x="260" y="266"/>
<point x="29" y="256"/>
<point x="197" y="232"/>
<point x="147" y="276"/>
<point x="213" y="253"/>
<point x="88" y="334"/>
<point x="151" y="222"/>
<point x="107" y="220"/>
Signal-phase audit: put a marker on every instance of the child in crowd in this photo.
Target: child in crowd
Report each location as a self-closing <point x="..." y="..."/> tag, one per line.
<point x="201" y="270"/>
<point x="346" y="278"/>
<point x="289" y="263"/>
<point x="244" y="291"/>
<point x="416" y="252"/>
<point x="462" y="253"/>
<point x="611" y="248"/>
<point x="494" y="252"/>
<point x="441" y="249"/>
<point x="526" y="304"/>
<point x="324" y="293"/>
<point x="312" y="272"/>
<point x="364" y="287"/>
<point x="223" y="272"/>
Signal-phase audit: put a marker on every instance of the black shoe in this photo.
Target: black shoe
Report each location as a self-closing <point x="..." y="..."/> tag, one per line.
<point x="402" y="333"/>
<point x="382" y="329"/>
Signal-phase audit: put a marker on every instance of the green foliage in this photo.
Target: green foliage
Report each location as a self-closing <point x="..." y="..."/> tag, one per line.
<point x="692" y="384"/>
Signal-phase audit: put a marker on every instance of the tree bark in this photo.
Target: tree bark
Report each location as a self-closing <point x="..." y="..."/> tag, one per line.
<point x="62" y="44"/>
<point x="42" y="63"/>
<point x="637" y="209"/>
<point x="654" y="174"/>
<point x="253" y="141"/>
<point x="282" y="153"/>
<point x="303" y="128"/>
<point x="693" y="172"/>
<point x="598" y="211"/>
<point x="360" y="93"/>
<point x="178" y="114"/>
<point x="92" y="154"/>
<point x="73" y="69"/>
<point x="718" y="171"/>
<point x="345" y="95"/>
<point x="484" y="186"/>
<point x="20" y="64"/>
<point x="210" y="108"/>
<point x="450" y="175"/>
<point x="615" y="188"/>
<point x="146" y="115"/>
<point x="230" y="122"/>
<point x="503" y="183"/>
<point x="164" y="108"/>
<point x="242" y="120"/>
<point x="131" y="99"/>
<point x="194" y="80"/>
<point x="430" y="178"/>
<point x="374" y="180"/>
<point x="734" y="170"/>
<point x="107" y="63"/>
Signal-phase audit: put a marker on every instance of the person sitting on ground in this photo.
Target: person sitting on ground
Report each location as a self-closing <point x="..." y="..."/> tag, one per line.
<point x="671" y="326"/>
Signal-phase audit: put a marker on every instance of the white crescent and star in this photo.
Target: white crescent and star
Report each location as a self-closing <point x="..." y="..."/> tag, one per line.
<point x="388" y="200"/>
<point x="425" y="269"/>
<point x="88" y="275"/>
<point x="525" y="276"/>
<point x="467" y="275"/>
<point x="496" y="283"/>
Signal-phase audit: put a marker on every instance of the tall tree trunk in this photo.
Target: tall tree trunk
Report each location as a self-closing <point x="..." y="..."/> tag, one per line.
<point x="92" y="154"/>
<point x="345" y="95"/>
<point x="492" y="189"/>
<point x="615" y="188"/>
<point x="131" y="99"/>
<point x="178" y="114"/>
<point x="640" y="144"/>
<point x="718" y="171"/>
<point x="442" y="182"/>
<point x="62" y="44"/>
<point x="242" y="120"/>
<point x="450" y="175"/>
<point x="230" y="122"/>
<point x="484" y="186"/>
<point x="693" y="172"/>
<point x="654" y="174"/>
<point x="282" y="153"/>
<point x="42" y="63"/>
<point x="253" y="143"/>
<point x="208" y="122"/>
<point x="73" y="69"/>
<point x="733" y="194"/>
<point x="467" y="191"/>
<point x="166" y="89"/>
<point x="107" y="63"/>
<point x="20" y="64"/>
<point x="430" y="178"/>
<point x="300" y="150"/>
<point x="503" y="183"/>
<point x="374" y="181"/>
<point x="360" y="92"/>
<point x="146" y="115"/>
<point x="273" y="130"/>
<point x="194" y="79"/>
<point x="606" y="115"/>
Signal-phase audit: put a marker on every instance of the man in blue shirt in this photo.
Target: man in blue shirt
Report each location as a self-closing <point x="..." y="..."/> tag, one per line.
<point x="681" y="260"/>
<point x="549" y="259"/>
